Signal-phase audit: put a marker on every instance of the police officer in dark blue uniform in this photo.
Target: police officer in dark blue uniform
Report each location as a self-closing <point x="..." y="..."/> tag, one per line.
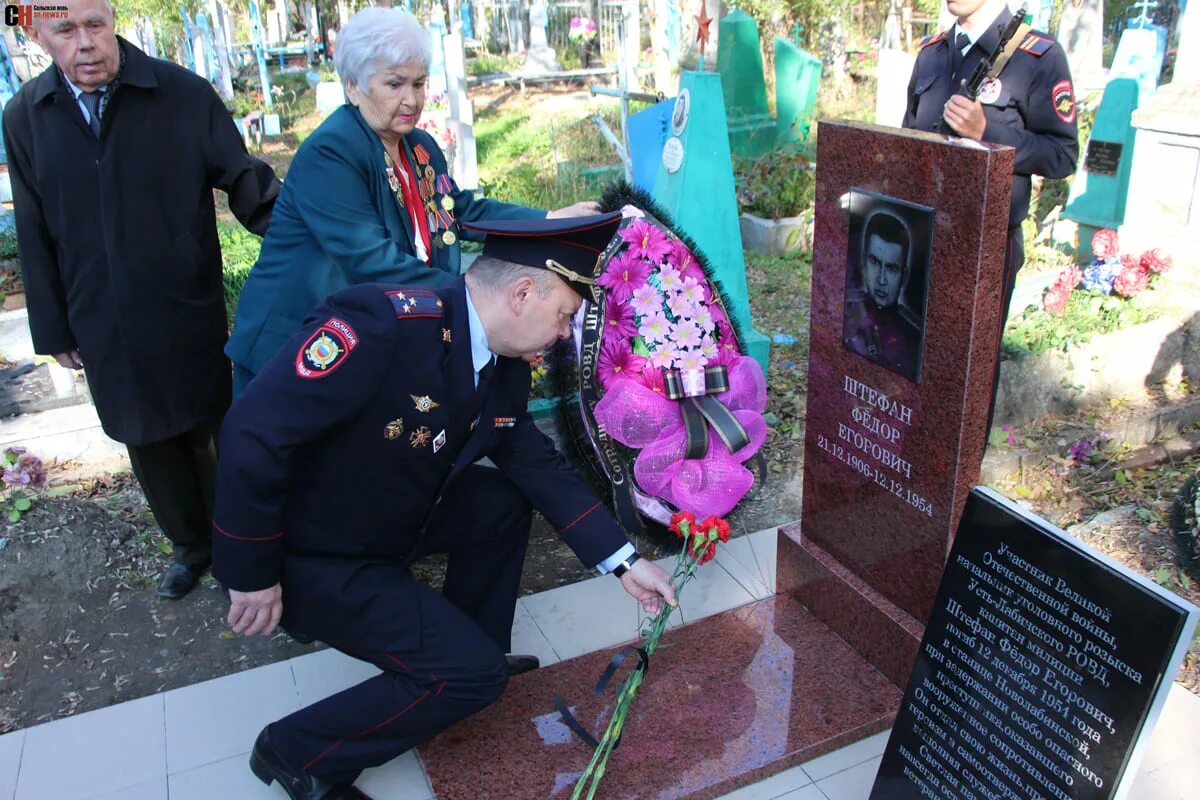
<point x="1029" y="105"/>
<point x="353" y="454"/>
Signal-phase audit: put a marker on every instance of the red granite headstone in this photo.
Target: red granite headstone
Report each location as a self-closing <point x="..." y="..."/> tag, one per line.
<point x="907" y="265"/>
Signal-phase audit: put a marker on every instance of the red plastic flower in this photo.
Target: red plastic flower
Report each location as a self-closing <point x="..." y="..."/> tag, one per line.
<point x="1155" y="260"/>
<point x="1105" y="244"/>
<point x="1131" y="282"/>
<point x="681" y="517"/>
<point x="1054" y="299"/>
<point x="721" y="526"/>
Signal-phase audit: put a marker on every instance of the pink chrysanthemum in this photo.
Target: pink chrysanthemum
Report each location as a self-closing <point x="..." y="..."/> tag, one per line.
<point x="652" y="378"/>
<point x="684" y="261"/>
<point x="655" y="327"/>
<point x="623" y="275"/>
<point x="708" y="347"/>
<point x="618" y="320"/>
<point x="646" y="241"/>
<point x="646" y="300"/>
<point x="617" y="361"/>
<point x="704" y="319"/>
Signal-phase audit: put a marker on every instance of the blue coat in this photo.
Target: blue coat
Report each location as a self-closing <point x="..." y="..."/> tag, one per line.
<point x="1032" y="108"/>
<point x="337" y="223"/>
<point x="345" y="443"/>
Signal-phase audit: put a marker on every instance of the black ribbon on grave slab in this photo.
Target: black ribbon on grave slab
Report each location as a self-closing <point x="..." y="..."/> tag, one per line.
<point x="700" y="409"/>
<point x="568" y="718"/>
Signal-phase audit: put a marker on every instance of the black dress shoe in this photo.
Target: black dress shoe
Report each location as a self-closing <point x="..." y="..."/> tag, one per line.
<point x="179" y="580"/>
<point x="519" y="664"/>
<point x="268" y="765"/>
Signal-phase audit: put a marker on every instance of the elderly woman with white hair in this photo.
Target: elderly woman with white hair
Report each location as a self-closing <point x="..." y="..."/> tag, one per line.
<point x="368" y="196"/>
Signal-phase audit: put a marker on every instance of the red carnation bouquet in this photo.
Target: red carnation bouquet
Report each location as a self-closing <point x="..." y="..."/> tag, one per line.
<point x="700" y="541"/>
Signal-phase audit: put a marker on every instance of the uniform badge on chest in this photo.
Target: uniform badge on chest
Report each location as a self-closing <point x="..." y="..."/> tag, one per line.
<point x="424" y="404"/>
<point x="989" y="92"/>
<point x="394" y="429"/>
<point x="439" y="441"/>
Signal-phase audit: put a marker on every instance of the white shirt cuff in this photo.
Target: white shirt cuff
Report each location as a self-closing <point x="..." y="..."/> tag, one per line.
<point x="609" y="564"/>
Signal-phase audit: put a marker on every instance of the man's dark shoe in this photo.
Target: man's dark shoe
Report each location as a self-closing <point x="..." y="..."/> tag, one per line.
<point x="519" y="664"/>
<point x="179" y="580"/>
<point x="268" y="765"/>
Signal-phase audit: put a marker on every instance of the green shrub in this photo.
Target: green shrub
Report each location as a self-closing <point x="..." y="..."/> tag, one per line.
<point x="778" y="184"/>
<point x="8" y="243"/>
<point x="1087" y="314"/>
<point x="239" y="251"/>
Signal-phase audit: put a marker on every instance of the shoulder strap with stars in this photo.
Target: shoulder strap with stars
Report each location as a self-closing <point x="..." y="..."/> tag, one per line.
<point x="416" y="303"/>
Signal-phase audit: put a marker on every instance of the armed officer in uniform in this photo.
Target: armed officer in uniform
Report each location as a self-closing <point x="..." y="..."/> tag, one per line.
<point x="353" y="454"/>
<point x="1029" y="104"/>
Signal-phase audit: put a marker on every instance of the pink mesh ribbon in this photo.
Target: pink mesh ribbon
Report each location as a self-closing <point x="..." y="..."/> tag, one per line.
<point x="645" y="420"/>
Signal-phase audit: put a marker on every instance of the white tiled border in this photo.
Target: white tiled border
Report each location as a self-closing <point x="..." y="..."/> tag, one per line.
<point x="193" y="743"/>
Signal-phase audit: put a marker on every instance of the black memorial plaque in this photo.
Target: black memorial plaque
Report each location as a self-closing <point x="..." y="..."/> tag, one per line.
<point x="1039" y="668"/>
<point x="1103" y="158"/>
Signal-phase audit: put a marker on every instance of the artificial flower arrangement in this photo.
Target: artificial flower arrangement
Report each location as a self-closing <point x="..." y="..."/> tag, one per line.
<point x="582" y="30"/>
<point x="663" y="376"/>
<point x="669" y="411"/>
<point x="1110" y="273"/>
<point x="699" y="547"/>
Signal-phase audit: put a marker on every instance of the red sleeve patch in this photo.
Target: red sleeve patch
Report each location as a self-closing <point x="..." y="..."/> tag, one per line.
<point x="326" y="349"/>
<point x="1064" y="101"/>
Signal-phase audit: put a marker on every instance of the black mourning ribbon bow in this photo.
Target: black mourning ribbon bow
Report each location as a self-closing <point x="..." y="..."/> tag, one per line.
<point x="700" y="411"/>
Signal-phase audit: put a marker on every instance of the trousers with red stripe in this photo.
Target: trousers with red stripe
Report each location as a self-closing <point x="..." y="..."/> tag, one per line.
<point x="442" y="654"/>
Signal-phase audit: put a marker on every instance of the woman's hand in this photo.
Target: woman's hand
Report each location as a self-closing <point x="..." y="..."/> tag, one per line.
<point x="582" y="209"/>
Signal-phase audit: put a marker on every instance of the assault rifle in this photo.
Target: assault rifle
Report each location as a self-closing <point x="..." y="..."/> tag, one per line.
<point x="971" y="86"/>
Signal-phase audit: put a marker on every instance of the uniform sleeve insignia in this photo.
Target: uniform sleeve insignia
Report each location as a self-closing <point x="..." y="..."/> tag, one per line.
<point x="326" y="349"/>
<point x="1036" y="44"/>
<point x="414" y="303"/>
<point x="1064" y="101"/>
<point x="928" y="40"/>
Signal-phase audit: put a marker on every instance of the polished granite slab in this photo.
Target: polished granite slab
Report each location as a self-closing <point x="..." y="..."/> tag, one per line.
<point x="727" y="701"/>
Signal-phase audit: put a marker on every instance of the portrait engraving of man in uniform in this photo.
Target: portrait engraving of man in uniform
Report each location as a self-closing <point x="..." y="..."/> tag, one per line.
<point x="887" y="272"/>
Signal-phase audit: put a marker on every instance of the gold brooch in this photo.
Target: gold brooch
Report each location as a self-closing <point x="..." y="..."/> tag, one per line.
<point x="394" y="429"/>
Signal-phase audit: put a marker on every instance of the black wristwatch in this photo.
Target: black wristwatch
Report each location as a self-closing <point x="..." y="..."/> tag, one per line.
<point x="623" y="567"/>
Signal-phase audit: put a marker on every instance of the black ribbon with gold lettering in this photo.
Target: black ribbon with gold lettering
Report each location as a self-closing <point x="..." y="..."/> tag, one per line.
<point x="701" y="411"/>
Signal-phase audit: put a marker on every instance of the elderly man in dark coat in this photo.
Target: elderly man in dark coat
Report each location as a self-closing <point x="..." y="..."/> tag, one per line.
<point x="113" y="157"/>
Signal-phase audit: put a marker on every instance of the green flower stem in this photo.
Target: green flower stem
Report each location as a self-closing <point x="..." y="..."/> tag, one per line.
<point x="589" y="780"/>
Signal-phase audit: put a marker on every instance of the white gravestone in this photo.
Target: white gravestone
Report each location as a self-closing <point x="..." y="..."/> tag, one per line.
<point x="540" y="57"/>
<point x="891" y="88"/>
<point x="1187" y="58"/>
<point x="1081" y="33"/>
